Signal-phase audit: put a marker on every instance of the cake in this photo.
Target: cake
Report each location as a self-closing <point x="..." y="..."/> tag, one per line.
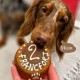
<point x="32" y="61"/>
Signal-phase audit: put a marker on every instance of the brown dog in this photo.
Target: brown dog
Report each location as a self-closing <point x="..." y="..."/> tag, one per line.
<point x="50" y="22"/>
<point x="11" y="18"/>
<point x="9" y="23"/>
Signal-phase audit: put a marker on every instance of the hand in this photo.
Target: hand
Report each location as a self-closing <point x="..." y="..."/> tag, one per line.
<point x="51" y="75"/>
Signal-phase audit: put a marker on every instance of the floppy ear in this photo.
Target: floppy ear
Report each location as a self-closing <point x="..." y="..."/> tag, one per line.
<point x="29" y="22"/>
<point x="64" y="34"/>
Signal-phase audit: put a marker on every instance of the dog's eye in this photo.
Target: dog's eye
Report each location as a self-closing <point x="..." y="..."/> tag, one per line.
<point x="44" y="9"/>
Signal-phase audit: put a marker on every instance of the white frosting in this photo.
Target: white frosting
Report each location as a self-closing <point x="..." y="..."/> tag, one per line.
<point x="30" y="49"/>
<point x="26" y="65"/>
<point x="40" y="66"/>
<point x="22" y="56"/>
<point x="34" y="67"/>
<point x="45" y="49"/>
<point x="19" y="51"/>
<point x="24" y="45"/>
<point x="45" y="53"/>
<point x="43" y="63"/>
<point x="35" y="75"/>
<point x="32" y="75"/>
<point x="20" y="47"/>
<point x="31" y="41"/>
<point x="31" y="67"/>
<point x="23" y="61"/>
<point x="39" y="74"/>
<point x="40" y="78"/>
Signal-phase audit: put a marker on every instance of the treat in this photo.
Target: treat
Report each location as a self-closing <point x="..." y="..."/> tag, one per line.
<point x="32" y="62"/>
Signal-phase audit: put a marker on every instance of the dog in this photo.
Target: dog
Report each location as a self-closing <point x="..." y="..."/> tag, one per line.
<point x="10" y="24"/>
<point x="11" y="18"/>
<point x="50" y="22"/>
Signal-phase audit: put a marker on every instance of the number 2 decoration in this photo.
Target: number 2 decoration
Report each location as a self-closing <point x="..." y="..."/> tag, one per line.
<point x="30" y="49"/>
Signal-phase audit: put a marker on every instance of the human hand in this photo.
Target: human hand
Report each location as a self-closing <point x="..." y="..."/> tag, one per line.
<point x="51" y="75"/>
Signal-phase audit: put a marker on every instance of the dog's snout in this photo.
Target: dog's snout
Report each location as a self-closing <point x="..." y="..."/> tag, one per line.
<point x="41" y="39"/>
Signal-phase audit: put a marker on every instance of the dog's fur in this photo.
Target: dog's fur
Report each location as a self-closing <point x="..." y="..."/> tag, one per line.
<point x="11" y="18"/>
<point x="50" y="19"/>
<point x="10" y="24"/>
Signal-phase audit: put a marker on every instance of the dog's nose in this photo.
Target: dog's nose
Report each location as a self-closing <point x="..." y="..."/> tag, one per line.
<point x="41" y="39"/>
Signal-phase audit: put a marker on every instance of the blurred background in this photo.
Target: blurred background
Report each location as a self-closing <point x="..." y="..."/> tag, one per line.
<point x="12" y="16"/>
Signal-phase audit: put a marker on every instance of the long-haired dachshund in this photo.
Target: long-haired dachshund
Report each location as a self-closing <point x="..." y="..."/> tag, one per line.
<point x="50" y="22"/>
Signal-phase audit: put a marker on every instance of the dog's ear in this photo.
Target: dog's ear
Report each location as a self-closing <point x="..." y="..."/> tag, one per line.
<point x="29" y="23"/>
<point x="64" y="34"/>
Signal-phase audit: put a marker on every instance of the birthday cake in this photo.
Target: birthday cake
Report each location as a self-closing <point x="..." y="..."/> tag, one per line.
<point x="32" y="61"/>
